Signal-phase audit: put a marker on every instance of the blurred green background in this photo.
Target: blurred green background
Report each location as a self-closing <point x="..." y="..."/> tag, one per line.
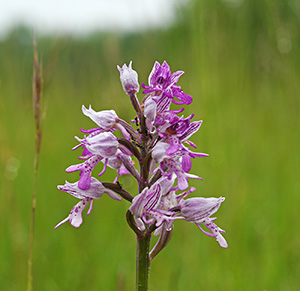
<point x="242" y="67"/>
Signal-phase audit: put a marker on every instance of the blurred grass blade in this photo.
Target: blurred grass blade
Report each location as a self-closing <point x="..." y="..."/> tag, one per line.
<point x="37" y="93"/>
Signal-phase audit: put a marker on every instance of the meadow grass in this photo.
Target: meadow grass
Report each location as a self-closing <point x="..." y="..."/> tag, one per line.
<point x="242" y="67"/>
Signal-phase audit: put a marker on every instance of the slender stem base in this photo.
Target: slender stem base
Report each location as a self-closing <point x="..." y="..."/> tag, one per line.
<point x="31" y="236"/>
<point x="142" y="262"/>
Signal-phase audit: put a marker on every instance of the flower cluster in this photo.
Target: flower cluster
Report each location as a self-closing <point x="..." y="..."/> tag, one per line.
<point x="160" y="144"/>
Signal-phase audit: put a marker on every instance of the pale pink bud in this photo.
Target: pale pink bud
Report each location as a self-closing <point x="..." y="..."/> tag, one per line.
<point x="129" y="79"/>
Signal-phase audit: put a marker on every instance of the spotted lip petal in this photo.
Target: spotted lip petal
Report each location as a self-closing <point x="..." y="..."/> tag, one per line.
<point x="95" y="191"/>
<point x="85" y="169"/>
<point x="75" y="216"/>
<point x="222" y="242"/>
<point x="215" y="231"/>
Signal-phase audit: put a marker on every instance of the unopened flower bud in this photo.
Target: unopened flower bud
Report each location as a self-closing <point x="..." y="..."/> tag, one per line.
<point x="129" y="79"/>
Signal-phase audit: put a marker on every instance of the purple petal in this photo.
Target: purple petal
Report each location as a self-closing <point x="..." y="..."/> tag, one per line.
<point x="174" y="145"/>
<point x="198" y="209"/>
<point x="163" y="103"/>
<point x="105" y="119"/>
<point x="166" y="184"/>
<point x="91" y="130"/>
<point x="195" y="155"/>
<point x="191" y="144"/>
<point x="138" y="203"/>
<point x="74" y="168"/>
<point x="84" y="181"/>
<point x="95" y="190"/>
<point x="186" y="163"/>
<point x="181" y="181"/>
<point x="153" y="197"/>
<point x="104" y="168"/>
<point x="193" y="127"/>
<point x="177" y="111"/>
<point x="177" y="102"/>
<point x="179" y="94"/>
<point x="222" y="242"/>
<point x="75" y="216"/>
<point x="215" y="232"/>
<point x="76" y="213"/>
<point x="173" y="148"/>
<point x="153" y="74"/>
<point x="175" y="77"/>
<point x="104" y="144"/>
<point x="150" y="109"/>
<point x="85" y="171"/>
<point x="91" y="207"/>
<point x="192" y="176"/>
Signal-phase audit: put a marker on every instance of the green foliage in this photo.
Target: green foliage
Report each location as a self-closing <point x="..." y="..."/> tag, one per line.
<point x="241" y="60"/>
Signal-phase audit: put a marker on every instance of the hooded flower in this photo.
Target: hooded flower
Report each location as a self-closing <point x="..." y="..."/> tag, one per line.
<point x="162" y="82"/>
<point x="104" y="144"/>
<point x="179" y="163"/>
<point x="107" y="120"/>
<point x="160" y="205"/>
<point x="95" y="191"/>
<point x="199" y="210"/>
<point x="148" y="201"/>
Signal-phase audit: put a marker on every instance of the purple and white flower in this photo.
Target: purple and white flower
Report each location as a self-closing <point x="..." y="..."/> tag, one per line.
<point x="95" y="191"/>
<point x="160" y="205"/>
<point x="199" y="210"/>
<point x="107" y="120"/>
<point x="104" y="144"/>
<point x="162" y="81"/>
<point x="178" y="163"/>
<point x="148" y="201"/>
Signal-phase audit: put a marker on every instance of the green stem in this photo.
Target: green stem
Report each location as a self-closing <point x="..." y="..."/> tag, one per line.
<point x="142" y="262"/>
<point x="143" y="238"/>
<point x="31" y="236"/>
<point x="144" y="172"/>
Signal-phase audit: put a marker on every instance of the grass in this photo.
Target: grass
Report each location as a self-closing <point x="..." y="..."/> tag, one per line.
<point x="242" y="68"/>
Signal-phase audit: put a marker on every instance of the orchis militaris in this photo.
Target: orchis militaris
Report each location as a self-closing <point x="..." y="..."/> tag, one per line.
<point x="160" y="145"/>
